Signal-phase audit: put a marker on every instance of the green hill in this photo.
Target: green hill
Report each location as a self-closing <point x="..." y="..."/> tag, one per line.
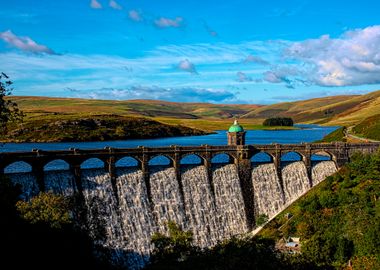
<point x="369" y="128"/>
<point x="336" y="110"/>
<point x="64" y="128"/>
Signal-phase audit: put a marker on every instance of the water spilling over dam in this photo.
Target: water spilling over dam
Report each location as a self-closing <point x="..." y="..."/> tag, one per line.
<point x="126" y="205"/>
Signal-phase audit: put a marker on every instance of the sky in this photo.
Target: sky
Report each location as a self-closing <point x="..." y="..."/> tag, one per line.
<point x="241" y="51"/>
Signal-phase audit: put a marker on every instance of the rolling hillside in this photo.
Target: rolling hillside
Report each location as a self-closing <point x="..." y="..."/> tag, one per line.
<point x="335" y="110"/>
<point x="147" y="108"/>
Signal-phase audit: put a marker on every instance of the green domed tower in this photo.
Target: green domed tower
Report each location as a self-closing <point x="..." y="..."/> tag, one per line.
<point x="236" y="134"/>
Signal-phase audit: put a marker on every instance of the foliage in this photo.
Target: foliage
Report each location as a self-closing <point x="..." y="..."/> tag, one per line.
<point x="9" y="111"/>
<point x="279" y="121"/>
<point x="335" y="136"/>
<point x="175" y="247"/>
<point x="369" y="128"/>
<point x="47" y="208"/>
<point x="339" y="221"/>
<point x="254" y="253"/>
<point x="261" y="219"/>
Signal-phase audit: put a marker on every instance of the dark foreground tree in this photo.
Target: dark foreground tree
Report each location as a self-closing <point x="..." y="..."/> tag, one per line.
<point x="9" y="111"/>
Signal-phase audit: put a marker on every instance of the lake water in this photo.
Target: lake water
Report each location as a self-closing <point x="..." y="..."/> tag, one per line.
<point x="307" y="133"/>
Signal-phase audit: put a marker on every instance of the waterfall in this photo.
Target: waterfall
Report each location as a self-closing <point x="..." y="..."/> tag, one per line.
<point x="321" y="170"/>
<point x="229" y="201"/>
<point x="136" y="217"/>
<point x="27" y="182"/>
<point x="102" y="213"/>
<point x="122" y="221"/>
<point x="200" y="206"/>
<point x="60" y="182"/>
<point x="295" y="181"/>
<point x="166" y="198"/>
<point x="268" y="197"/>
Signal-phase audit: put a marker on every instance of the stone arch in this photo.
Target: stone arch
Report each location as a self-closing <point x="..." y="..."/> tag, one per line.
<point x="92" y="163"/>
<point x="317" y="155"/>
<point x="222" y="157"/>
<point x="291" y="156"/>
<point x="20" y="166"/>
<point x="161" y="160"/>
<point x="57" y="164"/>
<point x="262" y="157"/>
<point x="127" y="161"/>
<point x="191" y="159"/>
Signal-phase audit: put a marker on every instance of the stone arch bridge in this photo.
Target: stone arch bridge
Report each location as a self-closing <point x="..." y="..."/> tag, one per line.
<point x="240" y="155"/>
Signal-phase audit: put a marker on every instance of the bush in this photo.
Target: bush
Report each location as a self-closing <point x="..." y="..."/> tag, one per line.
<point x="278" y="121"/>
<point x="46" y="208"/>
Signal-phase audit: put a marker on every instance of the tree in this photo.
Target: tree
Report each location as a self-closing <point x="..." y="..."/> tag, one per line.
<point x="279" y="121"/>
<point x="9" y="111"/>
<point x="46" y="208"/>
<point x="173" y="248"/>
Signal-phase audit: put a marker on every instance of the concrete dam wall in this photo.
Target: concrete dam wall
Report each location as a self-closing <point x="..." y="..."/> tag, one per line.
<point x="125" y="205"/>
<point x="127" y="220"/>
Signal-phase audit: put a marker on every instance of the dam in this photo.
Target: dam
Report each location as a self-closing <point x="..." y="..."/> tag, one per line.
<point x="214" y="191"/>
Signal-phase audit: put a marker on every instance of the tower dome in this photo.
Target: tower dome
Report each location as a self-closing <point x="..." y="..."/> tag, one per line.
<point x="236" y="134"/>
<point x="236" y="127"/>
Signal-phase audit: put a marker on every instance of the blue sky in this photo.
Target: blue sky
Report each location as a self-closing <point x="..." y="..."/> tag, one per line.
<point x="241" y="51"/>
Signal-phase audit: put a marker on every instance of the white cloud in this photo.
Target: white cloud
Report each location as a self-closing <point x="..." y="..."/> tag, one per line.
<point x="135" y="15"/>
<point x="113" y="4"/>
<point x="186" y="94"/>
<point x="186" y="65"/>
<point x="242" y="77"/>
<point x="24" y="43"/>
<point x="352" y="59"/>
<point x="255" y="59"/>
<point x="167" y="22"/>
<point x="95" y="4"/>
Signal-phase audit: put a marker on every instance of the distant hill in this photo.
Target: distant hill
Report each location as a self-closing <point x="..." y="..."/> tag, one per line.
<point x="335" y="110"/>
<point x="345" y="110"/>
<point x="63" y="128"/>
<point x="148" y="108"/>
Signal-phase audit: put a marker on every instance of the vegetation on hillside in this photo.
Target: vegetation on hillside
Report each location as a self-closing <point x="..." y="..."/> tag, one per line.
<point x="338" y="221"/>
<point x="335" y="110"/>
<point x="369" y="128"/>
<point x="335" y="136"/>
<point x="279" y="121"/>
<point x="9" y="111"/>
<point x="61" y="128"/>
<point x="176" y="251"/>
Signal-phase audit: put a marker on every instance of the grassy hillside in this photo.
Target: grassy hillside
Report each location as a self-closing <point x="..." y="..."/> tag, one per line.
<point x="336" y="110"/>
<point x="335" y="136"/>
<point x="339" y="220"/>
<point x="63" y="128"/>
<point x="150" y="108"/>
<point x="369" y="128"/>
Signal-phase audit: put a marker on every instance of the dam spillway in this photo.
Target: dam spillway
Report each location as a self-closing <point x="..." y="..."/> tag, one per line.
<point x="125" y="221"/>
<point x="126" y="205"/>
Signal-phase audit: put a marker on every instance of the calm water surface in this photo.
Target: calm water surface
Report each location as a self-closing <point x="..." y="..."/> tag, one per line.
<point x="307" y="133"/>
